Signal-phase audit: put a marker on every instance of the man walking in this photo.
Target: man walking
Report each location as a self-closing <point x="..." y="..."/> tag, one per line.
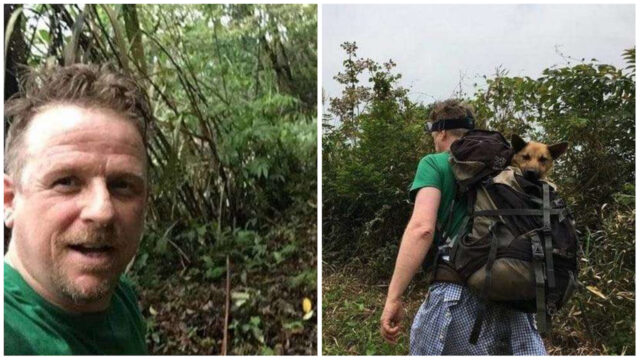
<point x="444" y="322"/>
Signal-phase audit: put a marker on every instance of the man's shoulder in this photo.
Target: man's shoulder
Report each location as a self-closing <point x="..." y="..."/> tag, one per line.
<point x="435" y="161"/>
<point x="27" y="327"/>
<point x="15" y="342"/>
<point x="24" y="335"/>
<point x="127" y="298"/>
<point x="125" y="288"/>
<point x="18" y="297"/>
<point x="437" y="157"/>
<point x="430" y="173"/>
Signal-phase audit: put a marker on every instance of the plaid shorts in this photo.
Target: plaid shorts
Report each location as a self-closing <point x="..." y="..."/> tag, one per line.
<point x="443" y="325"/>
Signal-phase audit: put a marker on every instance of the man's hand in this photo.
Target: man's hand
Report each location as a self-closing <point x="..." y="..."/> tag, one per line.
<point x="391" y="320"/>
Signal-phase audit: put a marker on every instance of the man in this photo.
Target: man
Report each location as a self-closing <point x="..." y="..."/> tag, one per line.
<point x="75" y="190"/>
<point x="444" y="322"/>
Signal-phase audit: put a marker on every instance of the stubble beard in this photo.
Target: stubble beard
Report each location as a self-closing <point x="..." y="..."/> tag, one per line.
<point x="77" y="293"/>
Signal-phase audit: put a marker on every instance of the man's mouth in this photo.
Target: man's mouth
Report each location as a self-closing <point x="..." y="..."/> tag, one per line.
<point x="92" y="250"/>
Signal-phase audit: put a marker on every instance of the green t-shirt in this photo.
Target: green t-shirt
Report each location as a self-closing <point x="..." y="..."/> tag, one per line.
<point x="33" y="326"/>
<point x="434" y="171"/>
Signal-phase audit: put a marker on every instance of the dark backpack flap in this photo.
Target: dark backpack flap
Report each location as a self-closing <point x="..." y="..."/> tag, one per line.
<point x="477" y="154"/>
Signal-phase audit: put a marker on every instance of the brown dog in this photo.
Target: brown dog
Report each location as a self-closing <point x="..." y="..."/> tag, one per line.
<point x="533" y="158"/>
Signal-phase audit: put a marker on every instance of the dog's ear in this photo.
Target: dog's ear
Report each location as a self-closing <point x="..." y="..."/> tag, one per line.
<point x="517" y="143"/>
<point x="558" y="149"/>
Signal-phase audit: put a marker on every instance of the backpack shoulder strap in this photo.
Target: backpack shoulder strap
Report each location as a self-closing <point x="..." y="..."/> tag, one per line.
<point x="546" y="230"/>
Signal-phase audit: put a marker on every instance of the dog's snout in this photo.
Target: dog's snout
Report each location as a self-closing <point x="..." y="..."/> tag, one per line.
<point x="531" y="174"/>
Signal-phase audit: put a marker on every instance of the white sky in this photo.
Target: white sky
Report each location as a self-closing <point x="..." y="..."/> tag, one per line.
<point x="433" y="45"/>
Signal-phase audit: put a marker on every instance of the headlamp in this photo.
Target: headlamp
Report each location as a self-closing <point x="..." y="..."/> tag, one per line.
<point x="467" y="122"/>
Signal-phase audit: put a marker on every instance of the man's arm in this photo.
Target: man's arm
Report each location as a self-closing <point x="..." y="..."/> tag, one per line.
<point x="415" y="244"/>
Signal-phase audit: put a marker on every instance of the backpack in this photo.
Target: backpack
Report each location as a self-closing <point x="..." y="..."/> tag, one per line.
<point x="517" y="244"/>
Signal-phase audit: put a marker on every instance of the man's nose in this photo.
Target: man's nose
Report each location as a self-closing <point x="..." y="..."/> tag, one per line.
<point x="98" y="204"/>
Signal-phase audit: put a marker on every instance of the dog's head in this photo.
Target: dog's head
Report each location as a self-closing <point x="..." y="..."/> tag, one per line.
<point x="533" y="158"/>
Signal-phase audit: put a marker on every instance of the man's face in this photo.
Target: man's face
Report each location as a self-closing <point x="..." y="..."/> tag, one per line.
<point x="78" y="208"/>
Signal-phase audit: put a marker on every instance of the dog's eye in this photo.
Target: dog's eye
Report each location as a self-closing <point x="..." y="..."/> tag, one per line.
<point x="526" y="157"/>
<point x="543" y="159"/>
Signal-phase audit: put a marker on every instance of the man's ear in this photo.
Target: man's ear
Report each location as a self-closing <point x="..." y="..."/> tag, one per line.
<point x="558" y="149"/>
<point x="9" y="197"/>
<point x="517" y="143"/>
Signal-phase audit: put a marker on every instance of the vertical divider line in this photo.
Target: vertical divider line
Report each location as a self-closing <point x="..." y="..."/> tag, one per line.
<point x="319" y="179"/>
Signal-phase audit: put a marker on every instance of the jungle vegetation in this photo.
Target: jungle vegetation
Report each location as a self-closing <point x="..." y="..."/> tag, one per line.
<point x="229" y="252"/>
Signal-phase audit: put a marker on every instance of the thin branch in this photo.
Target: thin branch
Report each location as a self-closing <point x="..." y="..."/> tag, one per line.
<point x="225" y="338"/>
<point x="119" y="35"/>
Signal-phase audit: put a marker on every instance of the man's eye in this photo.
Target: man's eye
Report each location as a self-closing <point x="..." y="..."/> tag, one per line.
<point x="120" y="184"/>
<point x="66" y="183"/>
<point x="122" y="187"/>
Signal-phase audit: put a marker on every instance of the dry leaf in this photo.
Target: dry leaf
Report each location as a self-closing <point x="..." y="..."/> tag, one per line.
<point x="595" y="290"/>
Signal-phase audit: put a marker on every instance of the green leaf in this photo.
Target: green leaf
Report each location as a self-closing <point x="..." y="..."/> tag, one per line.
<point x="240" y="298"/>
<point x="215" y="273"/>
<point x="44" y="35"/>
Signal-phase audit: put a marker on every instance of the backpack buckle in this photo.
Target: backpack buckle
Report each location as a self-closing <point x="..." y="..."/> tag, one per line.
<point x="546" y="230"/>
<point x="536" y="248"/>
<point x="443" y="250"/>
<point x="551" y="309"/>
<point x="538" y="253"/>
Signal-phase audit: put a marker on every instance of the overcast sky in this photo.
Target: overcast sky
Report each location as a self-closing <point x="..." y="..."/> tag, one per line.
<point x="433" y="45"/>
